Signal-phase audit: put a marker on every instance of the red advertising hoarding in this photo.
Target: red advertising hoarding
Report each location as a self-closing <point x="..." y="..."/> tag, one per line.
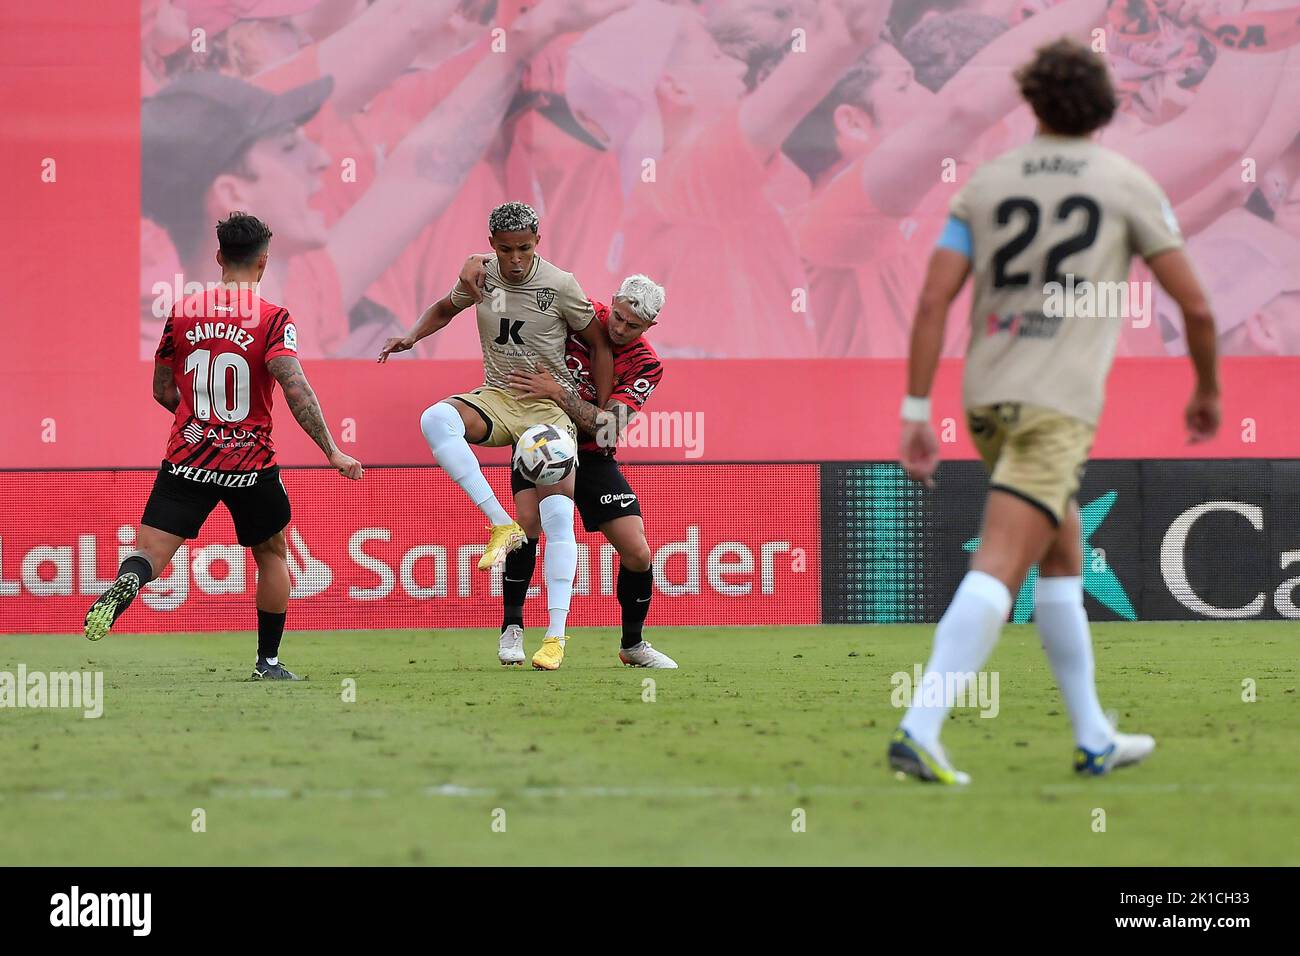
<point x="731" y="545"/>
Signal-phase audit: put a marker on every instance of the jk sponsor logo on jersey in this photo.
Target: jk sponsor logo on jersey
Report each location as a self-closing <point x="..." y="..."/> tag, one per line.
<point x="75" y="908"/>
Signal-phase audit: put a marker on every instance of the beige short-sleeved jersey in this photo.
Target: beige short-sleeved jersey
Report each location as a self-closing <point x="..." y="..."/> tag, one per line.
<point x="1054" y="227"/>
<point x="525" y="324"/>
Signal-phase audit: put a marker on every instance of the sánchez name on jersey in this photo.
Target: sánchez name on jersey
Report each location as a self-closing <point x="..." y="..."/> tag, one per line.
<point x="218" y="362"/>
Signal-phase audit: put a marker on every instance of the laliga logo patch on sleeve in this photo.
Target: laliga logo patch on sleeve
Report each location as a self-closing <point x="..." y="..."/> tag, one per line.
<point x="291" y="337"/>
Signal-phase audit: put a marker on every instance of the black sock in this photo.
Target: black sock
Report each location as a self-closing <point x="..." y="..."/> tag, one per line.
<point x="139" y="565"/>
<point x="514" y="582"/>
<point x="634" y="590"/>
<point x="270" y="628"/>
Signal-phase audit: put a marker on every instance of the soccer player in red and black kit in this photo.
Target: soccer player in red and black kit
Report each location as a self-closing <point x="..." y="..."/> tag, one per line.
<point x="602" y="494"/>
<point x="214" y="367"/>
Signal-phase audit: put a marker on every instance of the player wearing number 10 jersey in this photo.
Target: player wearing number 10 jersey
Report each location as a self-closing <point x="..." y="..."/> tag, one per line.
<point x="220" y="350"/>
<point x="1048" y="232"/>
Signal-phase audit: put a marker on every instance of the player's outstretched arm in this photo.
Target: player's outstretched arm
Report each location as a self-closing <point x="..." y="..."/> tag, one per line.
<point x="1275" y="136"/>
<point x="426" y="169"/>
<point x="432" y="319"/>
<point x="1173" y="270"/>
<point x="165" y="392"/>
<point x="306" y="409"/>
<point x="844" y="29"/>
<point x="919" y="449"/>
<point x="906" y="166"/>
<point x="368" y="54"/>
<point x="1213" y="133"/>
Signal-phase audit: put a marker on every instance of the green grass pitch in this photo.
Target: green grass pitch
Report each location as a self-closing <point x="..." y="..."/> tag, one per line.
<point x="445" y="757"/>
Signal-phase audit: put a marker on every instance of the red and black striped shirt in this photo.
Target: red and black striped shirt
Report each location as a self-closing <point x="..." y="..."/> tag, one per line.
<point x="637" y="370"/>
<point x="218" y="343"/>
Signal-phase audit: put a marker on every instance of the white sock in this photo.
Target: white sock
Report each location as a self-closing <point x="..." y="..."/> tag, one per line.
<point x="559" y="560"/>
<point x="963" y="642"/>
<point x="1063" y="627"/>
<point x="445" y="433"/>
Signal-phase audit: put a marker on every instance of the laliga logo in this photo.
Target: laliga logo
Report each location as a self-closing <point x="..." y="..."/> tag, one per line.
<point x="61" y="570"/>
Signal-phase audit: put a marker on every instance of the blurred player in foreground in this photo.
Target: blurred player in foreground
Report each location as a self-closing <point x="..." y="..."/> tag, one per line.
<point x="602" y="493"/>
<point x="525" y="312"/>
<point x="1059" y="213"/>
<point x="219" y="352"/>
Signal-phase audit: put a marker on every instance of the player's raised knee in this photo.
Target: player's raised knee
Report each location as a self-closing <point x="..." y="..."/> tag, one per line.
<point x="441" y="418"/>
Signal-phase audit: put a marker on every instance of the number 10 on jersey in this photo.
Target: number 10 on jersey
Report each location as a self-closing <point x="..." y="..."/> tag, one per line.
<point x="212" y="391"/>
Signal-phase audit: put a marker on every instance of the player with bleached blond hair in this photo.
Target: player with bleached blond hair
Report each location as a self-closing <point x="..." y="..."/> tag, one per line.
<point x="604" y="498"/>
<point x="526" y="308"/>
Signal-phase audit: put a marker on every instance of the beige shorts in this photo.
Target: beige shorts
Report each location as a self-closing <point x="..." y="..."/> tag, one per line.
<point x="508" y="416"/>
<point x="1032" y="452"/>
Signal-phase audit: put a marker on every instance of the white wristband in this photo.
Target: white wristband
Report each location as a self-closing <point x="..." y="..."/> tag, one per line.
<point x="915" y="409"/>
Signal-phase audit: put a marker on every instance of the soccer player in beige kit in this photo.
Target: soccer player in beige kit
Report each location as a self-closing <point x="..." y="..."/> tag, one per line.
<point x="1057" y="214"/>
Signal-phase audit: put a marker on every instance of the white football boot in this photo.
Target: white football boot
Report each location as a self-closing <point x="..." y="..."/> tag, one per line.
<point x="511" y="650"/>
<point x="1125" y="750"/>
<point x="643" y="655"/>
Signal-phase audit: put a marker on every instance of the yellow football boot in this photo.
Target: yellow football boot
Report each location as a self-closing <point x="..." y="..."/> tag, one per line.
<point x="551" y="654"/>
<point x="505" y="538"/>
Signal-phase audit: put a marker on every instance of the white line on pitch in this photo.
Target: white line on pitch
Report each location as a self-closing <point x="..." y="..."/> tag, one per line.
<point x="452" y="790"/>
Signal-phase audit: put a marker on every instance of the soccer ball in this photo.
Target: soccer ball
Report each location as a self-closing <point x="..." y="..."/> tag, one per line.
<point x="545" y="454"/>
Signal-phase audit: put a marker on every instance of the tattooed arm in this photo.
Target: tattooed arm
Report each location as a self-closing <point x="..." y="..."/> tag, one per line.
<point x="306" y="409"/>
<point x="165" y="392"/>
<point x="606" y="424"/>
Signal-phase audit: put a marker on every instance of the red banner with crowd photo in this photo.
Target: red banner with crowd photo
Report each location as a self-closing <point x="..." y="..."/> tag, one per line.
<point x="75" y="371"/>
<point x="731" y="545"/>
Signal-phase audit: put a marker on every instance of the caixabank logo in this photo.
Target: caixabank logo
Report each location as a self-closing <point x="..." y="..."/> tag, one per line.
<point x="1100" y="581"/>
<point x="1224" y="540"/>
<point x="894" y="552"/>
<point x="1161" y="540"/>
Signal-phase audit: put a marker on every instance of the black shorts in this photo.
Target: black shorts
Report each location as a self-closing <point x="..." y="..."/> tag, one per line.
<point x="182" y="498"/>
<point x="600" y="491"/>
